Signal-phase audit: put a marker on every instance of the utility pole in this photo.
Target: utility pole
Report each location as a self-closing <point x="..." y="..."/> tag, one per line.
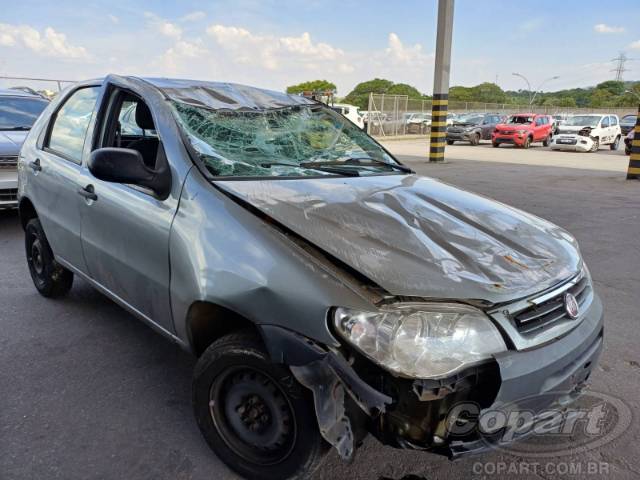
<point x="440" y="102"/>
<point x="620" y="60"/>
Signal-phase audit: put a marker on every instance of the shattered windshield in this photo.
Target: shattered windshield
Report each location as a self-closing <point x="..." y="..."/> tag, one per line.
<point x="298" y="140"/>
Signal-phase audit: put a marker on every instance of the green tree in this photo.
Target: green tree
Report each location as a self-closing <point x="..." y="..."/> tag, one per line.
<point x="488" y="93"/>
<point x="312" y="86"/>
<point x="404" y="89"/>
<point x="359" y="96"/>
<point x="460" y="94"/>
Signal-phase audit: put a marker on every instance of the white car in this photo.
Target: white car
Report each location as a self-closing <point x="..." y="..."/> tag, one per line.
<point x="585" y="133"/>
<point x="350" y="111"/>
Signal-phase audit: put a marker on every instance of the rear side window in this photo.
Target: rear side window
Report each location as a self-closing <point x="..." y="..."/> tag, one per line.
<point x="70" y="124"/>
<point x="614" y="121"/>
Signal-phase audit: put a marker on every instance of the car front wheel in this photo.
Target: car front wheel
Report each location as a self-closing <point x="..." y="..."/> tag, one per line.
<point x="49" y="277"/>
<point x="253" y="413"/>
<point x="596" y="145"/>
<point x="546" y="141"/>
<point x="616" y="144"/>
<point x="527" y="142"/>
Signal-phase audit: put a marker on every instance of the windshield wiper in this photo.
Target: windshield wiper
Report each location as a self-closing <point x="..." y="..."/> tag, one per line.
<point x="358" y="161"/>
<point x="18" y="128"/>
<point x="320" y="167"/>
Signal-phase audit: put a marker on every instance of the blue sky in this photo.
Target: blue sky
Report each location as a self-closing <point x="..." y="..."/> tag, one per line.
<point x="276" y="43"/>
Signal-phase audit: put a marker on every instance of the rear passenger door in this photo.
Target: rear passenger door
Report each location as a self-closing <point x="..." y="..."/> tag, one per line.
<point x="55" y="175"/>
<point x="605" y="126"/>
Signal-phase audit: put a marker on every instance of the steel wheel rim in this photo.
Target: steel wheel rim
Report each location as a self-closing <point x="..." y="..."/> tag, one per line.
<point x="253" y="415"/>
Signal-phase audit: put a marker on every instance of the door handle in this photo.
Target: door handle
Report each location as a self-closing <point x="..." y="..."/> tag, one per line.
<point x="88" y="192"/>
<point x="35" y="165"/>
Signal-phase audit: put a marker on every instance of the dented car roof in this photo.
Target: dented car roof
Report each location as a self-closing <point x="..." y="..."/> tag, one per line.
<point x="225" y="96"/>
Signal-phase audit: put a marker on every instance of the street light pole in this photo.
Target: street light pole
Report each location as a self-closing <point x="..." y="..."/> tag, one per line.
<point x="540" y="86"/>
<point x="440" y="102"/>
<point x="528" y="84"/>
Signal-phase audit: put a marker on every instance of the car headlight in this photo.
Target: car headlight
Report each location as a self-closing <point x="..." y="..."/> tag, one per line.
<point x="421" y="340"/>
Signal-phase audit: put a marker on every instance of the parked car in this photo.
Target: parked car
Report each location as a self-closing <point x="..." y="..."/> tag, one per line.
<point x="417" y="122"/>
<point x="586" y="133"/>
<point x="327" y="291"/>
<point x="523" y="129"/>
<point x="472" y="129"/>
<point x="18" y="111"/>
<point x="628" y="142"/>
<point x="627" y="123"/>
<point x="350" y="111"/>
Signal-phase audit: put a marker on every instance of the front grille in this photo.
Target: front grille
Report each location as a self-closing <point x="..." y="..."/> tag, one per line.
<point x="552" y="310"/>
<point x="9" y="195"/>
<point x="8" y="161"/>
<point x="506" y="132"/>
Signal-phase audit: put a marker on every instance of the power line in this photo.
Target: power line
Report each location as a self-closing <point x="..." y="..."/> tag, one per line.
<point x="620" y="60"/>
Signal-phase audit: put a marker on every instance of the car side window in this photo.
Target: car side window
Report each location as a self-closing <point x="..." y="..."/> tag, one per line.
<point x="539" y="121"/>
<point x="613" y="121"/>
<point x="605" y="122"/>
<point x="70" y="123"/>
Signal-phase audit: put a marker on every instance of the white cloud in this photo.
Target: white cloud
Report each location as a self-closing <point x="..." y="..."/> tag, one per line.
<point x="604" y="28"/>
<point x="163" y="26"/>
<point x="272" y="52"/>
<point x="177" y="57"/>
<point x="50" y="42"/>
<point x="193" y="16"/>
<point x="635" y="45"/>
<point x="398" y="53"/>
<point x="113" y="18"/>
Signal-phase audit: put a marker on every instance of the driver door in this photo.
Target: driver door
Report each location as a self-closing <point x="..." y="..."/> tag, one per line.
<point x="125" y="228"/>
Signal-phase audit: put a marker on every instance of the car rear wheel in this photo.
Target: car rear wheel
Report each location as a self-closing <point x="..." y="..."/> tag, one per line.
<point x="495" y="144"/>
<point x="254" y="414"/>
<point x="596" y="144"/>
<point x="616" y="144"/>
<point x="49" y="277"/>
<point x="527" y="142"/>
<point x="450" y="142"/>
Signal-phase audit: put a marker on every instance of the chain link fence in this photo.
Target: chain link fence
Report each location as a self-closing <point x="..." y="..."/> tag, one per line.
<point x="394" y="115"/>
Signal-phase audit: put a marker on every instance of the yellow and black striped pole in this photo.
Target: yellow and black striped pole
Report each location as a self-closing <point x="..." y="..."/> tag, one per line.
<point x="440" y="102"/>
<point x="634" y="160"/>
<point x="438" y="138"/>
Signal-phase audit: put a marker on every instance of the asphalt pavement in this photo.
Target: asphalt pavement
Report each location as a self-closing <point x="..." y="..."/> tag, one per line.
<point x="88" y="392"/>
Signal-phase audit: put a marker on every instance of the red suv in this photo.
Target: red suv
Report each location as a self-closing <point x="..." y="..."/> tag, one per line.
<point x="522" y="129"/>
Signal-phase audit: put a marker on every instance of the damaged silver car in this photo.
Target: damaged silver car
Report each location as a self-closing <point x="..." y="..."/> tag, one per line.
<point x="327" y="290"/>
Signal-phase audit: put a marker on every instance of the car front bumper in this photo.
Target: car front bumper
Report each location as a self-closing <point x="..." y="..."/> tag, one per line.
<point x="577" y="143"/>
<point x="414" y="414"/>
<point x="8" y="188"/>
<point x="514" y="139"/>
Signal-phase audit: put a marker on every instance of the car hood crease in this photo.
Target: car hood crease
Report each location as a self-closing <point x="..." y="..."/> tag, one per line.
<point x="417" y="236"/>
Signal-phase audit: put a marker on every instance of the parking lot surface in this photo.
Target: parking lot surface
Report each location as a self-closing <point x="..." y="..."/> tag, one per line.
<point x="88" y="392"/>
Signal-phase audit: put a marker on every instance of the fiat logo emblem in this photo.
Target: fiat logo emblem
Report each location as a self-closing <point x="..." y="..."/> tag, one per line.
<point x="571" y="306"/>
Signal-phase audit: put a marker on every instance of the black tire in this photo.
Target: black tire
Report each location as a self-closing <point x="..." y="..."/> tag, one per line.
<point x="495" y="144"/>
<point x="475" y="139"/>
<point x="50" y="278"/>
<point x="450" y="142"/>
<point x="546" y="141"/>
<point x="254" y="414"/>
<point x="596" y="144"/>
<point x="527" y="143"/>
<point x="616" y="144"/>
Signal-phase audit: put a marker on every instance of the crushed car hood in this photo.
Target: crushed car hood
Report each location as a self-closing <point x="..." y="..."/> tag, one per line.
<point x="11" y="141"/>
<point x="416" y="236"/>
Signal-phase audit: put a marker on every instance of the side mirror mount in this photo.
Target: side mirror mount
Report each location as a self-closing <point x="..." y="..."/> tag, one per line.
<point x="125" y="165"/>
